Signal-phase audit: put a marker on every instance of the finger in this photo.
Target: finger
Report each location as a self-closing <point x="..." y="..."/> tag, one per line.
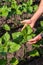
<point x="32" y="42"/>
<point x="26" y="22"/>
<point x="23" y="22"/>
<point x="24" y="27"/>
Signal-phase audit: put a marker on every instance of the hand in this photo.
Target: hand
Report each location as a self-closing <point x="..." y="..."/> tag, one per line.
<point x="36" y="39"/>
<point x="28" y="22"/>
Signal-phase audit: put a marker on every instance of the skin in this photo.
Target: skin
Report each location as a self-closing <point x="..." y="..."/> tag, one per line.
<point x="32" y="22"/>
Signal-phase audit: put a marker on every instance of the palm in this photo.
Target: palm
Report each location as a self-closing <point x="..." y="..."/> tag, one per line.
<point x="28" y="22"/>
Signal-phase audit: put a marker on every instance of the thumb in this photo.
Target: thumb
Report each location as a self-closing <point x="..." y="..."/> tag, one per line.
<point x="26" y="22"/>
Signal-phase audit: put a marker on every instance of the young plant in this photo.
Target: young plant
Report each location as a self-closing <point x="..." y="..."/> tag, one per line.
<point x="34" y="53"/>
<point x="35" y="7"/>
<point x="6" y="37"/>
<point x="5" y="10"/>
<point x="6" y="27"/>
<point x="14" y="61"/>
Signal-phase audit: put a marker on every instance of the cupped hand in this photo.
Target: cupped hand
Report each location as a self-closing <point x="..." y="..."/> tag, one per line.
<point x="35" y="40"/>
<point x="28" y="22"/>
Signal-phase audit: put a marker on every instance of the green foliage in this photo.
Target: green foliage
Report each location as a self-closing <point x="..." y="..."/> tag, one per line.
<point x="14" y="8"/>
<point x="13" y="4"/>
<point x="27" y="33"/>
<point x="9" y="46"/>
<point x="29" y="30"/>
<point x="13" y="47"/>
<point x="1" y="48"/>
<point x="16" y="35"/>
<point x="3" y="62"/>
<point x="0" y="40"/>
<point x="29" y="2"/>
<point x="29" y="6"/>
<point x="34" y="53"/>
<point x="4" y="11"/>
<point x="23" y="36"/>
<point x="29" y="37"/>
<point x="24" y="6"/>
<point x="35" y="7"/>
<point x="6" y="27"/>
<point x="30" y="9"/>
<point x="14" y="61"/>
<point x="5" y="37"/>
<point x="18" y="38"/>
<point x="41" y="23"/>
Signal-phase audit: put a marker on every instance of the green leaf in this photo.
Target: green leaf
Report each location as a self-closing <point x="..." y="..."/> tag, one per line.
<point x="3" y="62"/>
<point x="14" y="4"/>
<point x="30" y="9"/>
<point x="6" y="27"/>
<point x="14" y="61"/>
<point x="41" y="23"/>
<point x="4" y="11"/>
<point x="34" y="53"/>
<point x="5" y="37"/>
<point x="18" y="12"/>
<point x="1" y="48"/>
<point x="27" y="33"/>
<point x="29" y="37"/>
<point x="5" y="47"/>
<point x="10" y="47"/>
<point x="29" y="2"/>
<point x="13" y="47"/>
<point x="37" y="45"/>
<point x="29" y="30"/>
<point x="17" y="37"/>
<point x="9" y="9"/>
<point x="0" y="40"/>
<point x="24" y="33"/>
<point x="20" y="8"/>
<point x="35" y="7"/>
<point x="24" y="7"/>
<point x="16" y="34"/>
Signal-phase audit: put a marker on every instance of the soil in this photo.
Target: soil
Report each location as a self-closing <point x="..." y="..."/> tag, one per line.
<point x="16" y="18"/>
<point x="22" y="52"/>
<point x="34" y="61"/>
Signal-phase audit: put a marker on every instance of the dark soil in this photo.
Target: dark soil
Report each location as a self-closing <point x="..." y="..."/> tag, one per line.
<point x="34" y="61"/>
<point x="15" y="19"/>
<point x="21" y="54"/>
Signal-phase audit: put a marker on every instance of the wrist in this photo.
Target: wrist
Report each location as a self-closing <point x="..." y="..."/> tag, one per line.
<point x="36" y="15"/>
<point x="33" y="20"/>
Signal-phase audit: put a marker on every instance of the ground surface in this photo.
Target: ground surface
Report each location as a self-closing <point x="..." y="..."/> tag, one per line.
<point x="20" y="54"/>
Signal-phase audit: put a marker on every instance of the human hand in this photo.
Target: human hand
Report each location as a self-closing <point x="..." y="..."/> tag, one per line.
<point x="28" y="22"/>
<point x="36" y="39"/>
